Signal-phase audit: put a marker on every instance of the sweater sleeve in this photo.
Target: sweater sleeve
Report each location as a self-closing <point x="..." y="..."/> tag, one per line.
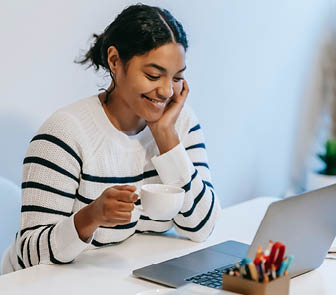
<point x="51" y="173"/>
<point x="186" y="166"/>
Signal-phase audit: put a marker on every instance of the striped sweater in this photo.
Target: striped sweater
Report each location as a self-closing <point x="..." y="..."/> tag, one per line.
<point x="76" y="155"/>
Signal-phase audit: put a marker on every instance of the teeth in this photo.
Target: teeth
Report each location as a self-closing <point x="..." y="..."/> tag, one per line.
<point x="158" y="102"/>
<point x="155" y="101"/>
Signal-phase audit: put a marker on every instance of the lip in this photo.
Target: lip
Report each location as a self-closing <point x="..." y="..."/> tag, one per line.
<point x="156" y="102"/>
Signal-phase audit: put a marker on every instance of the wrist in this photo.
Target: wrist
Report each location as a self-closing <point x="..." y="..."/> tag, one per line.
<point x="166" y="139"/>
<point x="85" y="222"/>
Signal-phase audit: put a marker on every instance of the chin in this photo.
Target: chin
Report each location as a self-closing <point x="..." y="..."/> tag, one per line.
<point x="152" y="118"/>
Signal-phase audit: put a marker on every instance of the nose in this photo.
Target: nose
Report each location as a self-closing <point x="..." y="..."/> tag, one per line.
<point x="165" y="90"/>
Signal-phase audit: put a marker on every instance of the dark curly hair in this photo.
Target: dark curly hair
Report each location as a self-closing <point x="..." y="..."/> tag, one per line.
<point x="136" y="30"/>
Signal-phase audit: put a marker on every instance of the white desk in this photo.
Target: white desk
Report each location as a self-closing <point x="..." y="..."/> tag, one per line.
<point x="108" y="270"/>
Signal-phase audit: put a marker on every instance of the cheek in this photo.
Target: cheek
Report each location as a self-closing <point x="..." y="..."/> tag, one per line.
<point x="136" y="84"/>
<point x="142" y="86"/>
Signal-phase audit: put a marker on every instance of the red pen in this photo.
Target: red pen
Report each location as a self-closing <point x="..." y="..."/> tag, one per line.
<point x="276" y="256"/>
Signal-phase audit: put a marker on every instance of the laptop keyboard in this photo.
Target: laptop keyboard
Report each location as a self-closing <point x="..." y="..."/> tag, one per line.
<point x="212" y="278"/>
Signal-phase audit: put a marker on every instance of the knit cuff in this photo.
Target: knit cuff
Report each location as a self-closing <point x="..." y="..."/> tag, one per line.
<point x="174" y="167"/>
<point x="68" y="245"/>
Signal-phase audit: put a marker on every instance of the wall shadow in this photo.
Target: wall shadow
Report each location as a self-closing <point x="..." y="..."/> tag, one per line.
<point x="16" y="130"/>
<point x="316" y="111"/>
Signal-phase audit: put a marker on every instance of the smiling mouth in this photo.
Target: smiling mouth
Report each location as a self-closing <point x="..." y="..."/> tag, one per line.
<point x="158" y="102"/>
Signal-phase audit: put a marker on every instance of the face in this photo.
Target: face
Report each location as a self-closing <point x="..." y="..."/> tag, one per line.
<point x="151" y="80"/>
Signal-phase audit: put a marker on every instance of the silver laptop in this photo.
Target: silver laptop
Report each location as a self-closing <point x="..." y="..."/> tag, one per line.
<point x="305" y="223"/>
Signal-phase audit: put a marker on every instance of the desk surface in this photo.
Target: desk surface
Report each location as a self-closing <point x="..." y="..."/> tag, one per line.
<point x="109" y="270"/>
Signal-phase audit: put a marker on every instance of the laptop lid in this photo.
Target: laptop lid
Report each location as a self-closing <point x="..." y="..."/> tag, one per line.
<point x="305" y="223"/>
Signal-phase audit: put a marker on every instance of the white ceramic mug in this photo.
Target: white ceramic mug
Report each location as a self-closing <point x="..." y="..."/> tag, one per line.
<point x="161" y="201"/>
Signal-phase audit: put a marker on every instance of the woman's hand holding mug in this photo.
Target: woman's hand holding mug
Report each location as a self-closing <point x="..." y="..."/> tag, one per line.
<point x="113" y="207"/>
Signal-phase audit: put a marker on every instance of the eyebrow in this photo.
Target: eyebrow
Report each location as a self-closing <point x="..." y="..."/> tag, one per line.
<point x="162" y="69"/>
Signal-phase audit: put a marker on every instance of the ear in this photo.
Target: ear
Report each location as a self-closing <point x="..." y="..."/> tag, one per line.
<point x="113" y="58"/>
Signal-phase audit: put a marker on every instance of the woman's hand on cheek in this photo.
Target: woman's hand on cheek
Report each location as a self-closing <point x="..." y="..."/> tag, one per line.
<point x="163" y="130"/>
<point x="174" y="107"/>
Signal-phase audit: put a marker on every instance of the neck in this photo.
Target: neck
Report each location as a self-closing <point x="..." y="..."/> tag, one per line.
<point x="120" y="114"/>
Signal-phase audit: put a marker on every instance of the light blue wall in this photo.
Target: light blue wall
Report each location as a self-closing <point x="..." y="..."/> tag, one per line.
<point x="253" y="67"/>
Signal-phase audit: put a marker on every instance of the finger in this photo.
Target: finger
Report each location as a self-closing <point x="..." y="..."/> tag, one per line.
<point x="122" y="191"/>
<point x="185" y="89"/>
<point x="179" y="98"/>
<point x="176" y="104"/>
<point x="124" y="207"/>
<point x="131" y="188"/>
<point x="122" y="216"/>
<point x="122" y="222"/>
<point x="114" y="222"/>
<point x="134" y="197"/>
<point x="112" y="214"/>
<point x="123" y="195"/>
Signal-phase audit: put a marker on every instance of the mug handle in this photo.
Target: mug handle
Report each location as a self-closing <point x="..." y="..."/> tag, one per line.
<point x="139" y="207"/>
<point x="140" y="210"/>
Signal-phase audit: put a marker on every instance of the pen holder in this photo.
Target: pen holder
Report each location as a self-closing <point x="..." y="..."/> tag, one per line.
<point x="279" y="286"/>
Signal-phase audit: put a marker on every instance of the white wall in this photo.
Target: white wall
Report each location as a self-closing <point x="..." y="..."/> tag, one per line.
<point x="251" y="68"/>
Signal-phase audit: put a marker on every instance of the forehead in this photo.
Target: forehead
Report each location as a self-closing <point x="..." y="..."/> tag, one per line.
<point x="170" y="56"/>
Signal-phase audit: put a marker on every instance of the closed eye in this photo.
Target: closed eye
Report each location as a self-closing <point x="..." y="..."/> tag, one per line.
<point x="152" y="78"/>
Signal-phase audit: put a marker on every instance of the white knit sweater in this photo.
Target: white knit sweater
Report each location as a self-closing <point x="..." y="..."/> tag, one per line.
<point x="76" y="155"/>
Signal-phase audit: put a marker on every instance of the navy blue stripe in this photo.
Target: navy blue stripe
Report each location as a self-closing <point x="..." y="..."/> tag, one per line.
<point x="21" y="262"/>
<point x="83" y="199"/>
<point x="32" y="228"/>
<point x="51" y="254"/>
<point x="138" y="202"/>
<point x="47" y="188"/>
<point x="197" y="127"/>
<point x="143" y="217"/>
<point x="101" y="179"/>
<point x="31" y="208"/>
<point x="151" y="231"/>
<point x="121" y="226"/>
<point x="126" y="179"/>
<point x="28" y="252"/>
<point x="208" y="183"/>
<point x="201" y="224"/>
<point x="50" y="165"/>
<point x="38" y="242"/>
<point x="196" y="201"/>
<point x="188" y="185"/>
<point x="22" y="246"/>
<point x="195" y="146"/>
<point x="201" y="164"/>
<point x="61" y="144"/>
<point x="150" y="173"/>
<point x="98" y="244"/>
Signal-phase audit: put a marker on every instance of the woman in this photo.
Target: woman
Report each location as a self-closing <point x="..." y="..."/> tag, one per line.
<point x="84" y="165"/>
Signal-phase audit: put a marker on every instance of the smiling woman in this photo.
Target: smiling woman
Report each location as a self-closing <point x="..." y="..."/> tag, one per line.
<point x="84" y="165"/>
